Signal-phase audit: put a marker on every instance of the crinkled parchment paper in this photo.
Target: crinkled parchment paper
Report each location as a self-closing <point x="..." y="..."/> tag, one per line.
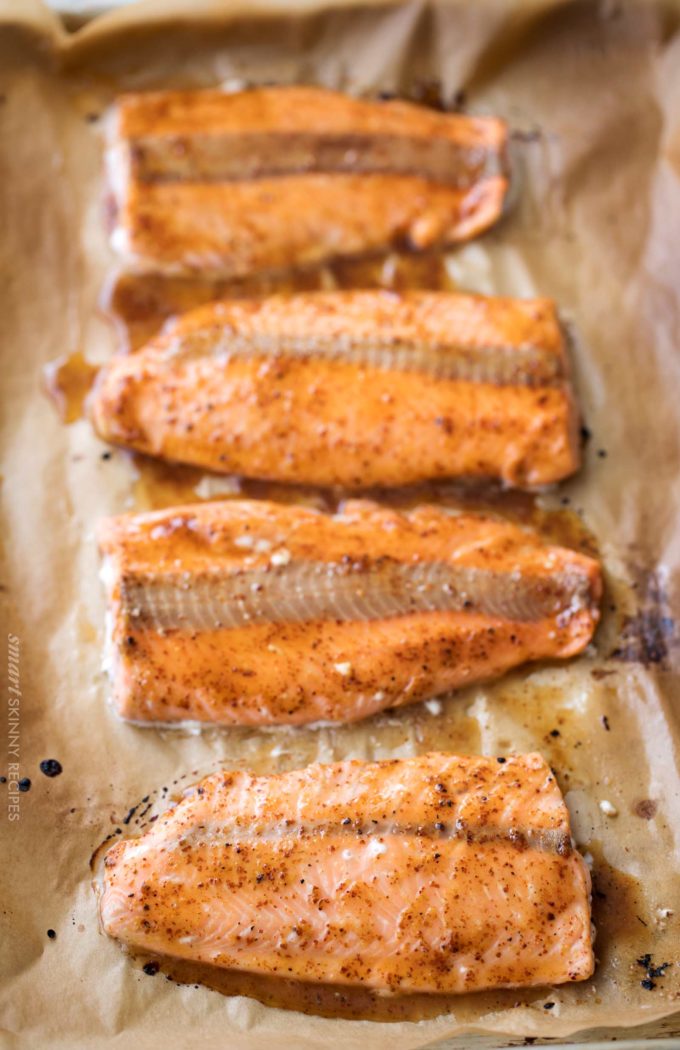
<point x="592" y="93"/>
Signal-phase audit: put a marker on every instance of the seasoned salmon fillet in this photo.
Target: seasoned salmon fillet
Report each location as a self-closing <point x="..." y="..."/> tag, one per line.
<point x="280" y="177"/>
<point x="352" y="388"/>
<point x="432" y="874"/>
<point x="255" y="613"/>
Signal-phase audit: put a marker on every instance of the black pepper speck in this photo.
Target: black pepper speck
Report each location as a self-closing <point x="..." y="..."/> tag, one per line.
<point x="151" y="968"/>
<point x="648" y="982"/>
<point x="52" y="934"/>
<point x="51" y="767"/>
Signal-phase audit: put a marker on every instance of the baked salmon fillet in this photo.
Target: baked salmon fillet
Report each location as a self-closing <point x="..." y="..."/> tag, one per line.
<point x="352" y="388"/>
<point x="280" y="177"/>
<point x="432" y="874"/>
<point x="255" y="613"/>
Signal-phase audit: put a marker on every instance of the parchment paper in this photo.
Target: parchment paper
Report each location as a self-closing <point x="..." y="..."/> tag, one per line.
<point x="592" y="92"/>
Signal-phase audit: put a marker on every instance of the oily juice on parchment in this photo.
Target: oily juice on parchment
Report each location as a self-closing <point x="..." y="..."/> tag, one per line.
<point x="141" y="303"/>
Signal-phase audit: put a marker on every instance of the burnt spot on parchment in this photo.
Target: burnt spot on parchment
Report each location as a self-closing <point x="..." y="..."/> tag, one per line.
<point x="646" y="808"/>
<point x="648" y="634"/>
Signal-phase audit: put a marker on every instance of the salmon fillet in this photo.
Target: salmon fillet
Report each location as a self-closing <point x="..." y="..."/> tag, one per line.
<point x="255" y="613"/>
<point x="353" y="388"/>
<point x="271" y="178"/>
<point x="432" y="874"/>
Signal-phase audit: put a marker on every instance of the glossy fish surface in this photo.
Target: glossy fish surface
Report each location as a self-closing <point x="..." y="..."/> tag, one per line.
<point x="440" y="874"/>
<point x="279" y="177"/>
<point x="255" y="613"/>
<point x="352" y="388"/>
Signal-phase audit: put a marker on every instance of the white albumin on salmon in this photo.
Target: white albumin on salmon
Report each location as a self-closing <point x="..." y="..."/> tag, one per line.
<point x="254" y="613"/>
<point x="438" y="874"/>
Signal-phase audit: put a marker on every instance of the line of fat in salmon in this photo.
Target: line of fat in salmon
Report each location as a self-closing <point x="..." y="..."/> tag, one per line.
<point x="318" y="590"/>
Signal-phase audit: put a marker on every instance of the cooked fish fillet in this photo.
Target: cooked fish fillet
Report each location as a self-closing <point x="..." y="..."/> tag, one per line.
<point x="254" y="613"/>
<point x="353" y="388"/>
<point x="431" y="874"/>
<point x="271" y="178"/>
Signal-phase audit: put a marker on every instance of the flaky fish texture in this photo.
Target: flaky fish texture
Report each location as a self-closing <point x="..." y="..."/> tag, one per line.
<point x="432" y="874"/>
<point x="255" y="613"/>
<point x="353" y="388"/>
<point x="281" y="177"/>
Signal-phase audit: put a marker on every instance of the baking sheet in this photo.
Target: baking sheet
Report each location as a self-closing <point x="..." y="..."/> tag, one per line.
<point x="592" y="93"/>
